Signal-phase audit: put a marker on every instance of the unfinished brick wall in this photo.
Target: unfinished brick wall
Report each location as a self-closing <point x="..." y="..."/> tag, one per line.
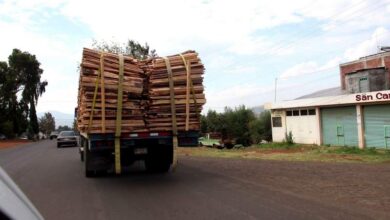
<point x="376" y="61"/>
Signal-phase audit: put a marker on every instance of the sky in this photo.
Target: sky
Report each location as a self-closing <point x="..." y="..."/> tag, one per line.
<point x="246" y="46"/>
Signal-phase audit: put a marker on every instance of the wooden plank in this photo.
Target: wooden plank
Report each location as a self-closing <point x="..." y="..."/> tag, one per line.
<point x="146" y="99"/>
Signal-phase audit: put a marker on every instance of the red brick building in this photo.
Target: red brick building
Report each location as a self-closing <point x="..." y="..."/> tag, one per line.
<point x="372" y="71"/>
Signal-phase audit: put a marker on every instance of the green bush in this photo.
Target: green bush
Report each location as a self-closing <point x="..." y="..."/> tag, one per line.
<point x="289" y="138"/>
<point x="7" y="128"/>
<point x="277" y="145"/>
<point x="353" y="150"/>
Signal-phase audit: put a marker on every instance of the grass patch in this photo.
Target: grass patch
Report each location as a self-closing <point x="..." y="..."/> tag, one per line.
<point x="294" y="152"/>
<point x="282" y="145"/>
<point x="353" y="150"/>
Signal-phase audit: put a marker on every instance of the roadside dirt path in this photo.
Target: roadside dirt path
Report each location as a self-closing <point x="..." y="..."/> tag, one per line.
<point x="12" y="143"/>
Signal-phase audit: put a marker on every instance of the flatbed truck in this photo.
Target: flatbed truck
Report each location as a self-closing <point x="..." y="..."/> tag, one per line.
<point x="97" y="151"/>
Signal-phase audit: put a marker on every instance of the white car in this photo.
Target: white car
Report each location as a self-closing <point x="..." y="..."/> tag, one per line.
<point x="66" y="138"/>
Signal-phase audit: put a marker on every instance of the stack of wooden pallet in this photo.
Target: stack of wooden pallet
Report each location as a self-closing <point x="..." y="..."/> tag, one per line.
<point x="188" y="99"/>
<point x="147" y="95"/>
<point x="106" y="101"/>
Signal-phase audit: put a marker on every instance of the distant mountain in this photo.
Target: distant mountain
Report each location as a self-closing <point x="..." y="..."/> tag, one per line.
<point x="60" y="118"/>
<point x="258" y="109"/>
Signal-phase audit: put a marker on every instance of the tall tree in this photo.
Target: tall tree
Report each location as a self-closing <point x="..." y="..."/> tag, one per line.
<point x="20" y="90"/>
<point x="47" y="123"/>
<point x="74" y="125"/>
<point x="131" y="48"/>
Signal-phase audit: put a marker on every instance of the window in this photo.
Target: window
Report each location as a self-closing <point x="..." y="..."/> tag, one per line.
<point x="276" y="122"/>
<point x="312" y="112"/>
<point x="364" y="85"/>
<point x="289" y="113"/>
<point x="304" y="112"/>
<point x="295" y="112"/>
<point x="340" y="130"/>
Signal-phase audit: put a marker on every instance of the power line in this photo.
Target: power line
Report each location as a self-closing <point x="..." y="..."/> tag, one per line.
<point x="334" y="66"/>
<point x="309" y="34"/>
<point x="340" y="15"/>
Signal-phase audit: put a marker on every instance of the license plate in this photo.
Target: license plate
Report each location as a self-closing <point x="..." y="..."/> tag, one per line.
<point x="138" y="151"/>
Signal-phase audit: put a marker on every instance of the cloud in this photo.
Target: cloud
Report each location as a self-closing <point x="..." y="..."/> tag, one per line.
<point x="173" y="25"/>
<point x="380" y="37"/>
<point x="245" y="94"/>
<point x="248" y="94"/>
<point x="308" y="68"/>
<point x="57" y="53"/>
<point x="232" y="37"/>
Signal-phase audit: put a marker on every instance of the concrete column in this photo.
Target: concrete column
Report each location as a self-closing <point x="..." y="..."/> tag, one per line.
<point x="360" y="126"/>
<point x="319" y="124"/>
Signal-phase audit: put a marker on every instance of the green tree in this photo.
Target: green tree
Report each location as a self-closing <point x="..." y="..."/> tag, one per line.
<point x="233" y="124"/>
<point x="74" y="126"/>
<point x="33" y="123"/>
<point x="7" y="128"/>
<point x="265" y="118"/>
<point x="20" y="89"/>
<point x="47" y="123"/>
<point x="213" y="121"/>
<point x="203" y="124"/>
<point x="63" y="128"/>
<point x="131" y="48"/>
<point x="237" y="124"/>
<point x="260" y="128"/>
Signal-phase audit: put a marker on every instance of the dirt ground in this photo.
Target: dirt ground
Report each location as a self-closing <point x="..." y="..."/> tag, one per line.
<point x="361" y="188"/>
<point x="12" y="143"/>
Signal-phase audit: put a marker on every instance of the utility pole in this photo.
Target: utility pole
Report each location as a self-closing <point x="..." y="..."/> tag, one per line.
<point x="276" y="83"/>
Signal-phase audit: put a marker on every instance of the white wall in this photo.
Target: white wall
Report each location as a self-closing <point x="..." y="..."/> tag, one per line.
<point x="305" y="129"/>
<point x="278" y="133"/>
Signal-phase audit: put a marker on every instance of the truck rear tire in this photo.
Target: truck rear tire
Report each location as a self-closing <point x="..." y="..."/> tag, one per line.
<point x="87" y="157"/>
<point x="157" y="166"/>
<point x="229" y="146"/>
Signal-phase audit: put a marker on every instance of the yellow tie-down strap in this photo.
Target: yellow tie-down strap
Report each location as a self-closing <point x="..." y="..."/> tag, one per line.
<point x="173" y="112"/>
<point x="191" y="88"/>
<point x="118" y="122"/>
<point x="93" y="102"/>
<point x="102" y="92"/>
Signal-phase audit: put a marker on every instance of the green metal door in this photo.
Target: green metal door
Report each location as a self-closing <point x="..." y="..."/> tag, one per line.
<point x="339" y="126"/>
<point x="377" y="126"/>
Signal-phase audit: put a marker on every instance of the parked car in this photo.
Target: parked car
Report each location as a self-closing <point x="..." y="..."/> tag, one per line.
<point x="210" y="142"/>
<point x="67" y="138"/>
<point x="217" y="140"/>
<point x="53" y="134"/>
<point x="23" y="136"/>
<point x="2" y="137"/>
<point x="41" y="136"/>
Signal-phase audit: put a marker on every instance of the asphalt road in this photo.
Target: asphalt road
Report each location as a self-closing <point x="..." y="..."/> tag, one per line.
<point x="53" y="179"/>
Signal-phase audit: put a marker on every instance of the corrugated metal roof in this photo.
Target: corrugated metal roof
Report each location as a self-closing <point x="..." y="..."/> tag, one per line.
<point x="325" y="92"/>
<point x="346" y="99"/>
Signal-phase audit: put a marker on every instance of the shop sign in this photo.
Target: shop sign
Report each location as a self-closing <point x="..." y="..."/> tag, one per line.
<point x="374" y="97"/>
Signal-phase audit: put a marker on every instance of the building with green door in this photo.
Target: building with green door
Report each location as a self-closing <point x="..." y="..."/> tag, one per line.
<point x="355" y="114"/>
